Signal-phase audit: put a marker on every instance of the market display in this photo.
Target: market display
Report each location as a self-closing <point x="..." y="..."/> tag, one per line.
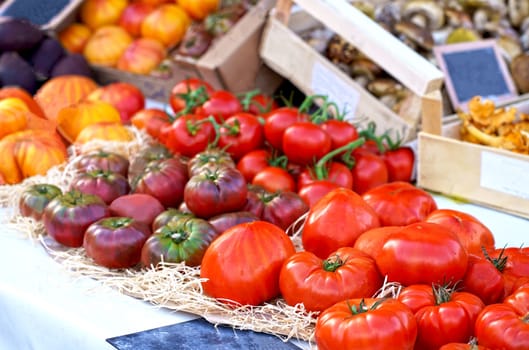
<point x="251" y="210"/>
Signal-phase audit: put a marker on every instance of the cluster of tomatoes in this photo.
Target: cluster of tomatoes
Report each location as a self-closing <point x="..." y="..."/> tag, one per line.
<point x="282" y="148"/>
<point x="199" y="197"/>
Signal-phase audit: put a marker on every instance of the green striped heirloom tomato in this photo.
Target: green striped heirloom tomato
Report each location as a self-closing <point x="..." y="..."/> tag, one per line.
<point x="347" y="273"/>
<point x="366" y="324"/>
<point x="336" y="221"/>
<point x="505" y="325"/>
<point x="182" y="240"/>
<point x="422" y="253"/>
<point x="67" y="216"/>
<point x="34" y="199"/>
<point x="443" y="315"/>
<point x="116" y="242"/>
<point x="243" y="264"/>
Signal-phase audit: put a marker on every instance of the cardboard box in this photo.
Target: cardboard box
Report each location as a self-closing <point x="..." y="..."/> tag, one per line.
<point x="480" y="174"/>
<point x="231" y="63"/>
<point x="287" y="53"/>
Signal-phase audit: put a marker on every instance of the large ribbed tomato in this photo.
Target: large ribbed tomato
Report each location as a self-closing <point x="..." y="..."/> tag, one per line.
<point x="347" y="273"/>
<point x="243" y="264"/>
<point x="336" y="221"/>
<point x="366" y="324"/>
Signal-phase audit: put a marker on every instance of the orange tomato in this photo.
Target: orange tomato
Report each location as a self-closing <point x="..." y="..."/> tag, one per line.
<point x="167" y="24"/>
<point x="108" y="131"/>
<point x="199" y="9"/>
<point x="15" y="91"/>
<point x="74" y="37"/>
<point x="98" y="13"/>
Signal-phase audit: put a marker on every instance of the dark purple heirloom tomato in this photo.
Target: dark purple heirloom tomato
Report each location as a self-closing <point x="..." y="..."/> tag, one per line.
<point x="103" y="160"/>
<point x="35" y="198"/>
<point x="105" y="184"/>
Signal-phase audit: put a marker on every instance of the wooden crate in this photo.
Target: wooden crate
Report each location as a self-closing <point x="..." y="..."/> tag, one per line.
<point x="288" y="54"/>
<point x="483" y="175"/>
<point x="231" y="63"/>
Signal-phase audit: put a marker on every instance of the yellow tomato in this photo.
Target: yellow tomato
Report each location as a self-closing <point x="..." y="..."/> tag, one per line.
<point x="199" y="9"/>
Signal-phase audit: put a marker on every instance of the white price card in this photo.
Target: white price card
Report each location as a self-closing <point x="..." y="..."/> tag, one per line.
<point x="325" y="82"/>
<point x="504" y="174"/>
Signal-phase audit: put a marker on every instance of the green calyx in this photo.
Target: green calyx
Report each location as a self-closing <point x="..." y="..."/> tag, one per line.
<point x="116" y="222"/>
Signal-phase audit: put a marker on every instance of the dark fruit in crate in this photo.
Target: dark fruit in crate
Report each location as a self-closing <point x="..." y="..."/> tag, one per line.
<point x="72" y="64"/>
<point x="196" y="41"/>
<point x="45" y="56"/>
<point x="14" y="71"/>
<point x="18" y="34"/>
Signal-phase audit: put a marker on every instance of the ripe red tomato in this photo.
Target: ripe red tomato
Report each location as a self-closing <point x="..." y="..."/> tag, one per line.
<point x="312" y="192"/>
<point x="234" y="270"/>
<point x="366" y="324"/>
<point x="221" y="104"/>
<point x="116" y="242"/>
<point x="335" y="172"/>
<point x="319" y="284"/>
<point x="240" y="134"/>
<point x="163" y="179"/>
<point x="278" y="120"/>
<point x="372" y="241"/>
<point x="181" y="93"/>
<point x="253" y="162"/>
<point x="400" y="163"/>
<point x="369" y="171"/>
<point x="259" y="103"/>
<point x="504" y="325"/>
<point x="463" y="346"/>
<point x="152" y="120"/>
<point x="274" y="178"/>
<point x="305" y="143"/>
<point x="422" y="253"/>
<point x="400" y="203"/>
<point x="139" y="206"/>
<point x="68" y="215"/>
<point x="336" y="221"/>
<point x="484" y="279"/>
<point x="215" y="192"/>
<point x="188" y="135"/>
<point x="442" y="315"/>
<point x="472" y="233"/>
<point x="340" y="131"/>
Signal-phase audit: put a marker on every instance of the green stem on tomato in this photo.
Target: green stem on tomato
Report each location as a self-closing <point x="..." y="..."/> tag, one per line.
<point x="320" y="168"/>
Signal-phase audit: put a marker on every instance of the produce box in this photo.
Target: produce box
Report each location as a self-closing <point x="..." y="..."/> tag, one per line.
<point x="284" y="50"/>
<point x="484" y="175"/>
<point x="231" y="63"/>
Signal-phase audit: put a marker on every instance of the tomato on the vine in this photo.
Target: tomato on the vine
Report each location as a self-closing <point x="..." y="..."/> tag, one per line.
<point x="189" y="134"/>
<point x="305" y="143"/>
<point x="400" y="163"/>
<point x="182" y="93"/>
<point x="253" y="162"/>
<point x="240" y="134"/>
<point x="221" y="104"/>
<point x="152" y="120"/>
<point x="340" y="131"/>
<point x="278" y="120"/>
<point x="369" y="171"/>
<point x="258" y="103"/>
<point x="275" y="178"/>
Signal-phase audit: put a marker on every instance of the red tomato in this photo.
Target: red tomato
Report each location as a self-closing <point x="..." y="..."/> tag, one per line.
<point x="484" y="279"/>
<point x="366" y="324"/>
<point x="258" y="103"/>
<point x="505" y="325"/>
<point x="336" y="221"/>
<point x="400" y="163"/>
<point x="400" y="203"/>
<point x="443" y="316"/>
<point x="422" y="253"/>
<point x="253" y="162"/>
<point x="221" y="104"/>
<point x="116" y="242"/>
<point x="152" y="120"/>
<point x="372" y="241"/>
<point x="240" y="134"/>
<point x="335" y="172"/>
<point x="340" y="131"/>
<point x="139" y="206"/>
<point x="369" y="171"/>
<point x="274" y="178"/>
<point x="234" y="270"/>
<point x="312" y="192"/>
<point x="214" y="192"/>
<point x="188" y="135"/>
<point x="463" y="346"/>
<point x="318" y="284"/>
<point x="163" y="179"/>
<point x="305" y="143"/>
<point x="278" y="120"/>
<point x="472" y="233"/>
<point x="181" y="93"/>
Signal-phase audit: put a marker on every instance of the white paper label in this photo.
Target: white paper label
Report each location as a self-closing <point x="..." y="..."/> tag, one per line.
<point x="325" y="82"/>
<point x="504" y="174"/>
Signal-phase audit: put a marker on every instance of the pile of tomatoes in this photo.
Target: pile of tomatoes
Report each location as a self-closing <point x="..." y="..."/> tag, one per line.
<point x="199" y="197"/>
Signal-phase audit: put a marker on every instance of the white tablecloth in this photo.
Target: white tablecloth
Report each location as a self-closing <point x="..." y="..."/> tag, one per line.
<point x="42" y="307"/>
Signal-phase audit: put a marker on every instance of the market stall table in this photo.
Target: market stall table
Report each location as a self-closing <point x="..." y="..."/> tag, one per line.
<point x="44" y="307"/>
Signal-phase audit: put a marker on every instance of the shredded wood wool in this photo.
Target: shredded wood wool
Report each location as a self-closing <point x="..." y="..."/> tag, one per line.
<point x="173" y="286"/>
